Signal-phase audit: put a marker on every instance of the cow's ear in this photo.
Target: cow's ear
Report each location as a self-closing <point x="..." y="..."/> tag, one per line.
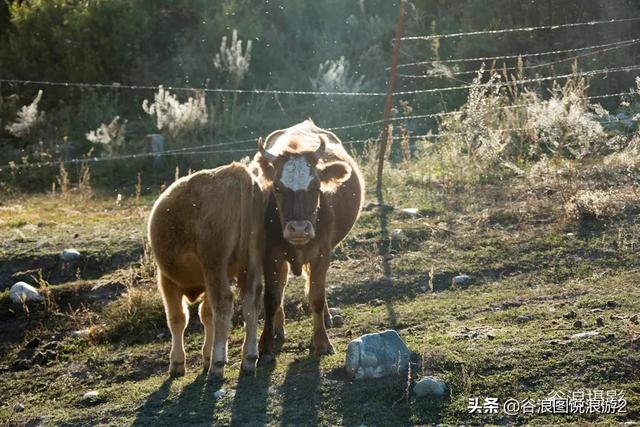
<point x="333" y="173"/>
<point x="267" y="171"/>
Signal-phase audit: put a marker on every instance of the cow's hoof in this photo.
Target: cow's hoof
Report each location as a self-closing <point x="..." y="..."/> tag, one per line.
<point x="279" y="337"/>
<point x="324" y="350"/>
<point x="266" y="359"/>
<point x="206" y="364"/>
<point x="176" y="369"/>
<point x="216" y="371"/>
<point x="249" y="365"/>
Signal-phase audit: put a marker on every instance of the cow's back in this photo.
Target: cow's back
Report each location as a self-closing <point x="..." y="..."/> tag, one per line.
<point x="205" y="218"/>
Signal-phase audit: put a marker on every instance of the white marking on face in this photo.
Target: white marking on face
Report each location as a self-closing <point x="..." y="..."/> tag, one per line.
<point x="296" y="174"/>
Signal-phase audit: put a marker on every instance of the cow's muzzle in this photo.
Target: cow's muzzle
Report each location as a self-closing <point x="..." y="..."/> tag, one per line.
<point x="299" y="232"/>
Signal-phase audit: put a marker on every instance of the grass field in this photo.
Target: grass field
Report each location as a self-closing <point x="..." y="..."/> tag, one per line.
<point x="538" y="277"/>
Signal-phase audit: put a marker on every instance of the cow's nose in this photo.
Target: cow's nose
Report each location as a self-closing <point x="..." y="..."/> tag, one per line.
<point x="299" y="232"/>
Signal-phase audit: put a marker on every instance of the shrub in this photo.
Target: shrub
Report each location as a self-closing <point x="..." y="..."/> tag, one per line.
<point x="175" y="117"/>
<point x="232" y="61"/>
<point x="29" y="119"/>
<point x="110" y="137"/>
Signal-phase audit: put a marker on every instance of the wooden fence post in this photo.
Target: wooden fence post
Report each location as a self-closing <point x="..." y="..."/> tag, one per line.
<point x="384" y="135"/>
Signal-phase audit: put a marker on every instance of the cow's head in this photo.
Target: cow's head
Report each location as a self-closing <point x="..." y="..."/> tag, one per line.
<point x="297" y="180"/>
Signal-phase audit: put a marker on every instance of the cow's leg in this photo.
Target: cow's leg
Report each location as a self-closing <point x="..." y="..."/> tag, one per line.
<point x="206" y="317"/>
<point x="328" y="321"/>
<point x="251" y="290"/>
<point x="318" y="302"/>
<point x="276" y="271"/>
<point x="177" y="318"/>
<point x="220" y="300"/>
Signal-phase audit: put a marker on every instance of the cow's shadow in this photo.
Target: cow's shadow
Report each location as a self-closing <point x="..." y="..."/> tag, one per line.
<point x="194" y="405"/>
<point x="249" y="407"/>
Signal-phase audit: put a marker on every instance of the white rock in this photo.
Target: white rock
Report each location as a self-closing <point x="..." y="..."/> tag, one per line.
<point x="584" y="335"/>
<point x="334" y="311"/>
<point x="18" y="407"/>
<point x="68" y="255"/>
<point x="409" y="212"/>
<point x="377" y="355"/>
<point x="429" y="386"/>
<point x="90" y="395"/>
<point x="23" y="292"/>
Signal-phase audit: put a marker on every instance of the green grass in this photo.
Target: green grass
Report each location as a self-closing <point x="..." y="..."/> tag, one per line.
<point x="472" y="336"/>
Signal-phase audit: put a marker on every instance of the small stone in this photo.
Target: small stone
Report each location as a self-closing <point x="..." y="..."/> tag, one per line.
<point x="18" y="407"/>
<point x="223" y="392"/>
<point x="570" y="315"/>
<point x="398" y="234"/>
<point x="82" y="333"/>
<point x="377" y="355"/>
<point x="578" y="324"/>
<point x="460" y="280"/>
<point x="334" y="311"/>
<point x="523" y="319"/>
<point x="92" y="397"/>
<point x="599" y="321"/>
<point x="634" y="319"/>
<point x="69" y="255"/>
<point x="612" y="304"/>
<point x="22" y="292"/>
<point x="584" y="335"/>
<point x="338" y="321"/>
<point x="409" y="212"/>
<point x="429" y="386"/>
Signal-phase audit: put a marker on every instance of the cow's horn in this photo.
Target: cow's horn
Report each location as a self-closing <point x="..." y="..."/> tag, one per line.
<point x="268" y="156"/>
<point x="323" y="145"/>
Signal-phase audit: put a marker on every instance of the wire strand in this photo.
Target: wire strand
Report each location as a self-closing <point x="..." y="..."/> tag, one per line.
<point x="187" y="89"/>
<point x="512" y="56"/>
<point x="526" y="67"/>
<point x="521" y="29"/>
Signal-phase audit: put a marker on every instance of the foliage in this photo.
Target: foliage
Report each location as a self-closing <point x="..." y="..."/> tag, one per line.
<point x="232" y="60"/>
<point x="110" y="137"/>
<point x="334" y="76"/>
<point x="28" y="120"/>
<point x="175" y="117"/>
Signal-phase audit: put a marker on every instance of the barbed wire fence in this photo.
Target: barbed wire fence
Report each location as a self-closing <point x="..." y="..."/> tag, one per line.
<point x="383" y="137"/>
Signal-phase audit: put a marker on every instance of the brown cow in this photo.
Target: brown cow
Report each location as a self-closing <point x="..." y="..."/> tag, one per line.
<point x="314" y="196"/>
<point x="206" y="229"/>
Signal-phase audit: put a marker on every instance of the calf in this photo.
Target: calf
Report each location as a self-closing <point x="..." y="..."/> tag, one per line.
<point x="314" y="195"/>
<point x="206" y="229"/>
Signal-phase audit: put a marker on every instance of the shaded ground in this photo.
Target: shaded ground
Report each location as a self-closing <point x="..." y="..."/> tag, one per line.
<point x="537" y="279"/>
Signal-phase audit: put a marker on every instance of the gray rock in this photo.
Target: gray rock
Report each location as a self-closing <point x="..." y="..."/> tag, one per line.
<point x="377" y="355"/>
<point x="69" y="255"/>
<point x="23" y="292"/>
<point x="18" y="407"/>
<point x="461" y="280"/>
<point x="223" y="392"/>
<point x="334" y="311"/>
<point x="338" y="321"/>
<point x="429" y="386"/>
<point x="523" y="319"/>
